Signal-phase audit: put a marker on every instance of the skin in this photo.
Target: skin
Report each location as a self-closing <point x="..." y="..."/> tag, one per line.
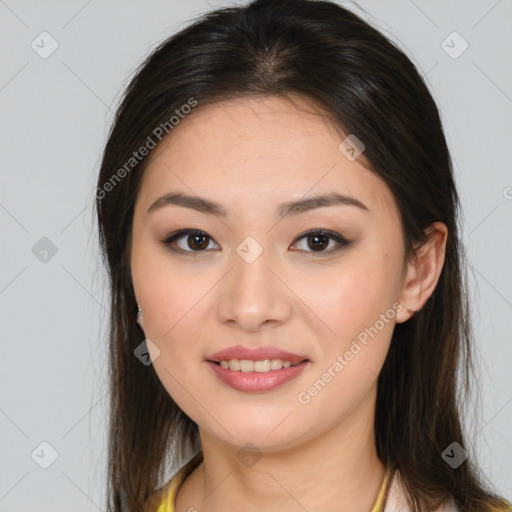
<point x="251" y="155"/>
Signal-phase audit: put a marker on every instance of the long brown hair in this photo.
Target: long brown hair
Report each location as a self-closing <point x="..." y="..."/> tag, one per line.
<point x="369" y="88"/>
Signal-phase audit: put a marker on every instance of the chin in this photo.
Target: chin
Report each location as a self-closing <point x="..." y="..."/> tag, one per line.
<point x="263" y="437"/>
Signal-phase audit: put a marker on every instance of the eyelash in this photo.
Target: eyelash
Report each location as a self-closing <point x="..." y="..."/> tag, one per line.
<point x="343" y="243"/>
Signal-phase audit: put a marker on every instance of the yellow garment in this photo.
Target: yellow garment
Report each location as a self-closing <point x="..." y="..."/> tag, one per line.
<point x="163" y="500"/>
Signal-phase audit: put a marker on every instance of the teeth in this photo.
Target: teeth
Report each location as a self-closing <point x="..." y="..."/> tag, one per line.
<point x="262" y="366"/>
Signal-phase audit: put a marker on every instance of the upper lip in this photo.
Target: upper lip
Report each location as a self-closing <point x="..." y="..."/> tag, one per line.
<point x="255" y="354"/>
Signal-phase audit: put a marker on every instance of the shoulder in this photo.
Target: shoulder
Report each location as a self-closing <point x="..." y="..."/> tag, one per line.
<point x="504" y="507"/>
<point x="397" y="500"/>
<point x="162" y="500"/>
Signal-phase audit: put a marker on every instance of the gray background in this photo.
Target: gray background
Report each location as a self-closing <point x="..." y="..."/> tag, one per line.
<point x="55" y="114"/>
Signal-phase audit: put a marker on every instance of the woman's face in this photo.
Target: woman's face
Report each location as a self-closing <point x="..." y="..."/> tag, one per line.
<point x="252" y="278"/>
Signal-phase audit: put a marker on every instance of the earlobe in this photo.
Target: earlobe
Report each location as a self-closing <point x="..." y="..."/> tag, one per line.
<point x="423" y="273"/>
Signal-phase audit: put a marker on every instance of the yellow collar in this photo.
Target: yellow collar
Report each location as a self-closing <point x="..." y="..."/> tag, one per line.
<point x="163" y="500"/>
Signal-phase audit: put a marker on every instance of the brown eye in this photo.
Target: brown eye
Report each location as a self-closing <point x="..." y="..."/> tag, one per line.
<point x="318" y="240"/>
<point x="195" y="241"/>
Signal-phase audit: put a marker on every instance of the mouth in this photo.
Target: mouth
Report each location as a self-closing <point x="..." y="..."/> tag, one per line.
<point x="257" y="366"/>
<point x="258" y="376"/>
<point x="256" y="369"/>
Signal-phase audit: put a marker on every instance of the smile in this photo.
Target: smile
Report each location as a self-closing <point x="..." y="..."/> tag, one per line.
<point x="262" y="365"/>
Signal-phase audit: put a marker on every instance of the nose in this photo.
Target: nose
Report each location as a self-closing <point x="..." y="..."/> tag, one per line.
<point x="254" y="294"/>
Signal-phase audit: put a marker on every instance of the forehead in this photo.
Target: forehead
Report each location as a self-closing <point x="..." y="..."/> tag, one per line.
<point x="260" y="149"/>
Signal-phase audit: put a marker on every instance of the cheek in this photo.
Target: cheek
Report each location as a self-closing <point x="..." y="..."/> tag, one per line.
<point x="167" y="291"/>
<point x="180" y="338"/>
<point x="352" y="297"/>
<point x="171" y="301"/>
<point x="356" y="302"/>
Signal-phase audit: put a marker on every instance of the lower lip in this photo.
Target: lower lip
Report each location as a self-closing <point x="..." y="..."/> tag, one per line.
<point x="257" y="382"/>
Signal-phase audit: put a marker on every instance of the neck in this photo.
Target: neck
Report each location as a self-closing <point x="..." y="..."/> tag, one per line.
<point x="338" y="470"/>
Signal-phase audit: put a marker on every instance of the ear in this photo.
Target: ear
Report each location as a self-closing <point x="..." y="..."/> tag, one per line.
<point x="422" y="274"/>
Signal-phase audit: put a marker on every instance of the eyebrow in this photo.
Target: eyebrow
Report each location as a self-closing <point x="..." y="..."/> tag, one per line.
<point x="208" y="206"/>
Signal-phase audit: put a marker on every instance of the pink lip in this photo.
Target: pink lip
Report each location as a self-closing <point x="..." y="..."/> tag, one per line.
<point x="255" y="354"/>
<point x="256" y="382"/>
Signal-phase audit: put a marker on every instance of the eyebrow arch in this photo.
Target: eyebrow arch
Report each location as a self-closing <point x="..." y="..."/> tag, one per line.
<point x="207" y="206"/>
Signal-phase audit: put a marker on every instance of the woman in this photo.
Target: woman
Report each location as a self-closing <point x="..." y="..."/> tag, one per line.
<point x="279" y="219"/>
